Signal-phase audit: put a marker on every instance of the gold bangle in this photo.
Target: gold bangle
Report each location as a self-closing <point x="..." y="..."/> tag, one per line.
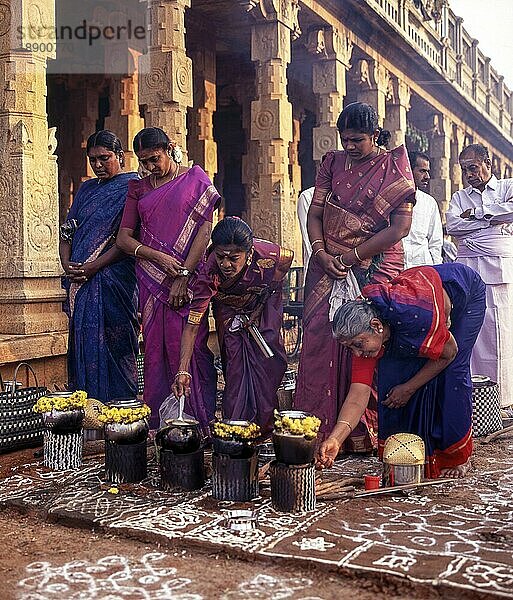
<point x="341" y="261"/>
<point x="358" y="257"/>
<point x="346" y="423"/>
<point x="319" y="250"/>
<point x="136" y="249"/>
<point x="183" y="373"/>
<point x="317" y="242"/>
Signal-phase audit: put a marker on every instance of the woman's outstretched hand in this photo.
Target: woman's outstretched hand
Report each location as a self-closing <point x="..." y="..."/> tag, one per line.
<point x="398" y="396"/>
<point x="331" y="265"/>
<point x="327" y="453"/>
<point x="181" y="386"/>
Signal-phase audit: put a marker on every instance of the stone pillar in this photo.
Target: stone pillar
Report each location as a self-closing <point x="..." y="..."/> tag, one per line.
<point x="329" y="83"/>
<point x="397" y="111"/>
<point x="295" y="168"/>
<point x="373" y="81"/>
<point x="440" y="153"/>
<point x="30" y="291"/>
<point x="125" y="119"/>
<point x="165" y="72"/>
<point x="272" y="210"/>
<point x="202" y="147"/>
<point x="457" y="141"/>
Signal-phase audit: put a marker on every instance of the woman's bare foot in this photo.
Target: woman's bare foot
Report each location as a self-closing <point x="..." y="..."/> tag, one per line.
<point x="456" y="472"/>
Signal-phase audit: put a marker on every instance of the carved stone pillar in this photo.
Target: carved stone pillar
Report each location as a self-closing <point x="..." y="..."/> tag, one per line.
<point x="271" y="209"/>
<point x="165" y="80"/>
<point x="295" y="168"/>
<point x="397" y="111"/>
<point x="440" y="154"/>
<point x="373" y="81"/>
<point x="202" y="147"/>
<point x="125" y="119"/>
<point x="30" y="291"/>
<point x="457" y="141"/>
<point x="334" y="50"/>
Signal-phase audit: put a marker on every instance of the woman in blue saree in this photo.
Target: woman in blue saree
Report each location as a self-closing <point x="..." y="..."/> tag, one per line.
<point x="100" y="279"/>
<point x="420" y="329"/>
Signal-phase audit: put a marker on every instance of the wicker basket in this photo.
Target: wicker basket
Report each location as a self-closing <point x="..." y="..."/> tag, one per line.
<point x="92" y="409"/>
<point x="404" y="449"/>
<point x="20" y="426"/>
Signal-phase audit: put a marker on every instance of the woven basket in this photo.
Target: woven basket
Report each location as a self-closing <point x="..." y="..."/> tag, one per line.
<point x="404" y="449"/>
<point x="92" y="409"/>
<point x="20" y="426"/>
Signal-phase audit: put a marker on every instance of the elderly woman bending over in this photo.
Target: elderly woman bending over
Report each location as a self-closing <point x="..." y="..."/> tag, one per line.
<point x="419" y="329"/>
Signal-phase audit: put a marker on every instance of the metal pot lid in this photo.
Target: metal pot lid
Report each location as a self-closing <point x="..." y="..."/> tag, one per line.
<point x="125" y="403"/>
<point x="294" y="414"/>
<point x="180" y="423"/>
<point x="480" y="379"/>
<point x="236" y="423"/>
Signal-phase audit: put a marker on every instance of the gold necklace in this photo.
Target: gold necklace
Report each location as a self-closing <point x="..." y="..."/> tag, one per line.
<point x="153" y="178"/>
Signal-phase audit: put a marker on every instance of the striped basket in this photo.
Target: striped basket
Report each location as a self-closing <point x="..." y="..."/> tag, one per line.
<point x="20" y="427"/>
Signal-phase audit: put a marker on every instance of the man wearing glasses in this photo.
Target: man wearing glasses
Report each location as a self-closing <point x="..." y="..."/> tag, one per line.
<point x="481" y="218"/>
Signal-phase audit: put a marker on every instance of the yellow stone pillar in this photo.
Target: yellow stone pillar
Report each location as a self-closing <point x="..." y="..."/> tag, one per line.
<point x="373" y="81"/>
<point x="440" y="153"/>
<point x="125" y="119"/>
<point x="397" y="110"/>
<point x="333" y="52"/>
<point x="457" y="141"/>
<point x="165" y="80"/>
<point x="30" y="291"/>
<point x="271" y="207"/>
<point x="201" y="145"/>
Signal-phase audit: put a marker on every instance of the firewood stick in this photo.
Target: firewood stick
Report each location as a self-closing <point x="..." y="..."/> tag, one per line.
<point x="344" y="495"/>
<point x="496" y="434"/>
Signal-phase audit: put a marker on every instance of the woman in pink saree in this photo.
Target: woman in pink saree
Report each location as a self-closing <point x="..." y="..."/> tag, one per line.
<point x="243" y="276"/>
<point x="166" y="226"/>
<point x="360" y="211"/>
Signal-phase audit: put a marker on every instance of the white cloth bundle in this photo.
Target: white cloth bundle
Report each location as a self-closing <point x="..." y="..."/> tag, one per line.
<point x="343" y="290"/>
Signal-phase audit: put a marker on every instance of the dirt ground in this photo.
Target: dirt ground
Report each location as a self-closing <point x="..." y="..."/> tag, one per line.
<point x="41" y="560"/>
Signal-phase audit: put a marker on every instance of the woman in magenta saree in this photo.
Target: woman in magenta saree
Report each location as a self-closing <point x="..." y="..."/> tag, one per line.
<point x="170" y="212"/>
<point x="243" y="276"/>
<point x="420" y="329"/>
<point x="360" y="211"/>
<point x="100" y="280"/>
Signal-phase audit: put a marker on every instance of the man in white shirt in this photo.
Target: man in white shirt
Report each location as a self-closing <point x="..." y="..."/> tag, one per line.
<point x="423" y="245"/>
<point x="303" y="205"/>
<point x="481" y="217"/>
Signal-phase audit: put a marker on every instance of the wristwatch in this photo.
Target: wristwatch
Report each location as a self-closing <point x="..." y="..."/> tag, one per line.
<point x="184" y="272"/>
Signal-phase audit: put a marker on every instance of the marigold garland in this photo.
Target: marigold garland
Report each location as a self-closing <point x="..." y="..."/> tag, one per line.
<point x="46" y="404"/>
<point x="123" y="415"/>
<point x="245" y="432"/>
<point x="307" y="426"/>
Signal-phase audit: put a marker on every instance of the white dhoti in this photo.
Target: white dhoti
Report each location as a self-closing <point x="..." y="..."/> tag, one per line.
<point x="493" y="352"/>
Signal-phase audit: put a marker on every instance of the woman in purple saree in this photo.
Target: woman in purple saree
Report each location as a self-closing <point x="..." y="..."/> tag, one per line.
<point x="166" y="225"/>
<point x="100" y="280"/>
<point x="361" y="209"/>
<point x="244" y="277"/>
